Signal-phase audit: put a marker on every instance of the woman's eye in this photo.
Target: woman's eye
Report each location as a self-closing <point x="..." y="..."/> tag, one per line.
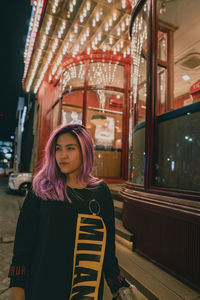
<point x="70" y="148"/>
<point x="57" y="148"/>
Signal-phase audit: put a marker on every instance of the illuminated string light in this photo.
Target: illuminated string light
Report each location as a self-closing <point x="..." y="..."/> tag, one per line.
<point x="32" y="32"/>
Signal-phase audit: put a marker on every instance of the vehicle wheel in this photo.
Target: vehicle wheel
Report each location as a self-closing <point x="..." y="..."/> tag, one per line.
<point x="24" y="188"/>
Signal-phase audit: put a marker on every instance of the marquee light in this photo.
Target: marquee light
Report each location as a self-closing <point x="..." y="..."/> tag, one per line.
<point x="79" y="37"/>
<point x="32" y="33"/>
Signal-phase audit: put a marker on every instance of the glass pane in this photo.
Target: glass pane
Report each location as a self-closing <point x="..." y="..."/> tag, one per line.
<point x="106" y="74"/>
<point x="182" y="23"/>
<point x="72" y="108"/>
<point x="162" y="79"/>
<point x="178" y="159"/>
<point x="138" y="96"/>
<point x="73" y="77"/>
<point x="177" y="137"/>
<point x="162" y="45"/>
<point x="104" y="121"/>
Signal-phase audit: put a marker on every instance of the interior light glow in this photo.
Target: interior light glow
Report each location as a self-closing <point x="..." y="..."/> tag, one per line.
<point x="97" y="16"/>
<point x="87" y="32"/>
<point x="123" y="26"/>
<point x="88" y="5"/>
<point x="106" y="27"/>
<point x="127" y="21"/>
<point x="114" y="16"/>
<point x="93" y="23"/>
<point x="99" y="36"/>
<point x="186" y="77"/>
<point x="75" y="28"/>
<point x="81" y="18"/>
<point x="118" y="31"/>
<point x="123" y="4"/>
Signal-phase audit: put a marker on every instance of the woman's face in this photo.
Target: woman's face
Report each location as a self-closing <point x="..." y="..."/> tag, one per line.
<point x="68" y="154"/>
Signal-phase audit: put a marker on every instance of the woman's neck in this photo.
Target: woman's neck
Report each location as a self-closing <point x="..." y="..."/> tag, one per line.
<point x="72" y="182"/>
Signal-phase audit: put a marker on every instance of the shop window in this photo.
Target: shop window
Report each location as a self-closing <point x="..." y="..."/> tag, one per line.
<point x="104" y="121"/>
<point x="138" y="97"/>
<point x="177" y="160"/>
<point x="177" y="138"/>
<point x="179" y="52"/>
<point x="72" y="108"/>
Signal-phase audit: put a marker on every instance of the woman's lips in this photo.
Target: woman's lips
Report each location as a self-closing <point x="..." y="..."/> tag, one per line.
<point x="63" y="163"/>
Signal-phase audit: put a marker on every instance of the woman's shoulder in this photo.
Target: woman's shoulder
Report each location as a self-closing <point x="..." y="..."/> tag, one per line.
<point x="103" y="187"/>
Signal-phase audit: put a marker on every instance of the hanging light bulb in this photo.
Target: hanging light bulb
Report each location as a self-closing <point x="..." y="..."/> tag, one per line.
<point x="114" y="16"/>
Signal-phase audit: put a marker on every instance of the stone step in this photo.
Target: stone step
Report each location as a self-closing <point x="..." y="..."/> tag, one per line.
<point x="153" y="282"/>
<point x="122" y="231"/>
<point x="118" y="207"/>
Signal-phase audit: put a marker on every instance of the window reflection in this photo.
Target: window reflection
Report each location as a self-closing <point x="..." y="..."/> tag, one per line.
<point x="104" y="121"/>
<point x="138" y="97"/>
<point x="177" y="161"/>
<point x="177" y="136"/>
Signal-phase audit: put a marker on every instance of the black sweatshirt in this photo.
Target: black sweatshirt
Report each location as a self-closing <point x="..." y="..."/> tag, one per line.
<point x="42" y="261"/>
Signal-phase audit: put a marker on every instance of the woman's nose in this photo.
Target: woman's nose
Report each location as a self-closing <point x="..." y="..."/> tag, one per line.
<point x="64" y="154"/>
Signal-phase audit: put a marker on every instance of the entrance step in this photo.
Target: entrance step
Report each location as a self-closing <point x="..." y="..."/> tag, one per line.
<point x="153" y="282"/>
<point x="118" y="207"/>
<point x="123" y="236"/>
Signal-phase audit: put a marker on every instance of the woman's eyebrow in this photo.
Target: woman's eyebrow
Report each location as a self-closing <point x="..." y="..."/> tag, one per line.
<point x="67" y="145"/>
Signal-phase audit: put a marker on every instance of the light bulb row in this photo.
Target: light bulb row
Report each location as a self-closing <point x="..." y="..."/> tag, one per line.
<point x="45" y="68"/>
<point x="71" y="73"/>
<point x="55" y="6"/>
<point x="62" y="29"/>
<point x="86" y="34"/>
<point x="139" y="35"/>
<point x="34" y="24"/>
<point x="85" y="12"/>
<point x="102" y="72"/>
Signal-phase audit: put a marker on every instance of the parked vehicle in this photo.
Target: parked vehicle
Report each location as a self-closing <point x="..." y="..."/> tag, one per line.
<point x="7" y="172"/>
<point x="20" y="182"/>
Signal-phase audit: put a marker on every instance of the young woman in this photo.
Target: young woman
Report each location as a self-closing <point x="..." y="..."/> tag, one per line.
<point x="65" y="236"/>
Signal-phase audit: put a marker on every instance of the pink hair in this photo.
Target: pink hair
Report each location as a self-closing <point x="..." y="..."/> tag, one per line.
<point x="50" y="182"/>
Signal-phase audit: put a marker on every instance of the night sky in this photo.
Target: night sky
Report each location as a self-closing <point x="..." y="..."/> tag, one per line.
<point x="14" y="21"/>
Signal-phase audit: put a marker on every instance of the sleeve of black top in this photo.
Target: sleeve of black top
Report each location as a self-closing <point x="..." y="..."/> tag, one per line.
<point x="25" y="237"/>
<point x="111" y="267"/>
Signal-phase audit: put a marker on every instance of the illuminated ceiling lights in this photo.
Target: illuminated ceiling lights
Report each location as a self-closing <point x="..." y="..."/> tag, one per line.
<point x="32" y="33"/>
<point x="48" y="28"/>
<point x="93" y="25"/>
<point x="85" y="11"/>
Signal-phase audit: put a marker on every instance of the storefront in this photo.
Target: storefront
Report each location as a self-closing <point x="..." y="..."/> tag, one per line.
<point x="162" y="195"/>
<point x="139" y="98"/>
<point x="78" y="63"/>
<point x="92" y="90"/>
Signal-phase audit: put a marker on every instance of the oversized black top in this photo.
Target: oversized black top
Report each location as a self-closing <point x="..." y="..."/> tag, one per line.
<point x="44" y="243"/>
